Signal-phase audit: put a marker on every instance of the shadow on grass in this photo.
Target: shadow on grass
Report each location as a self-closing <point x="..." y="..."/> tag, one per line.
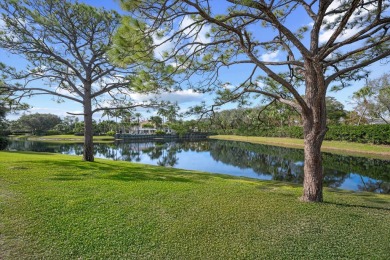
<point x="79" y="171"/>
<point x="147" y="176"/>
<point x="356" y="206"/>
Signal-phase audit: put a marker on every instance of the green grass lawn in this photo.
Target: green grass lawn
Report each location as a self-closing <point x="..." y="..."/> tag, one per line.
<point x="58" y="207"/>
<point x="357" y="149"/>
<point x="69" y="138"/>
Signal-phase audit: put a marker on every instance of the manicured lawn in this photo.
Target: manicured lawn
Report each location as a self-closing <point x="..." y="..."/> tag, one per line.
<point x="357" y="149"/>
<point x="69" y="138"/>
<point x="58" y="207"/>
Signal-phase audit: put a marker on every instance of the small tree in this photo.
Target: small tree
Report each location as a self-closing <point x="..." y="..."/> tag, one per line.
<point x="66" y="46"/>
<point x="373" y="99"/>
<point x="339" y="39"/>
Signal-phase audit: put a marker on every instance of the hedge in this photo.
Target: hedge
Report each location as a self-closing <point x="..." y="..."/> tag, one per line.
<point x="375" y="134"/>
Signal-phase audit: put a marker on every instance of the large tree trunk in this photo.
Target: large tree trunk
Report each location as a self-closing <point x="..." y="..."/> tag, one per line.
<point x="313" y="172"/>
<point x="314" y="129"/>
<point x="88" y="129"/>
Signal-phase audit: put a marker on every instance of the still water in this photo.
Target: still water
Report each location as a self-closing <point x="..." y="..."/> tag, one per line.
<point x="235" y="158"/>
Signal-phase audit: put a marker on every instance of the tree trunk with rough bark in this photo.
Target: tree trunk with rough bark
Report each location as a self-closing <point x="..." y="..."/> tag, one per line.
<point x="88" y="128"/>
<point x="312" y="184"/>
<point x="314" y="129"/>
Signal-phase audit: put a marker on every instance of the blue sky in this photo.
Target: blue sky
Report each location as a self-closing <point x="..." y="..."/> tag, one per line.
<point x="186" y="98"/>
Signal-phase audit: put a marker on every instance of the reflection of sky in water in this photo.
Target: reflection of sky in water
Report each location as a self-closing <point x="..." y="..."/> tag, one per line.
<point x="202" y="161"/>
<point x="300" y="163"/>
<point x="354" y="181"/>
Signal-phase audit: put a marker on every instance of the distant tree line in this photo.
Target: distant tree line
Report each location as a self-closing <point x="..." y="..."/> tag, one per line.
<point x="49" y="124"/>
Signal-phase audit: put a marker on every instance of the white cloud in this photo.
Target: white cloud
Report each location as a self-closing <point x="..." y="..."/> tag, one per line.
<point x="163" y="45"/>
<point x="228" y="86"/>
<point x="195" y="32"/>
<point x="347" y="32"/>
<point x="268" y="57"/>
<point x="198" y="34"/>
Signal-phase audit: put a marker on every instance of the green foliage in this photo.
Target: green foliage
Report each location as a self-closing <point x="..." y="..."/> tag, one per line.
<point x="110" y="133"/>
<point x="38" y="123"/>
<point x="292" y="132"/>
<point x="157" y="121"/>
<point x="160" y="132"/>
<point x="148" y="125"/>
<point x="130" y="45"/>
<point x="3" y="142"/>
<point x="334" y="110"/>
<point x="374" y="134"/>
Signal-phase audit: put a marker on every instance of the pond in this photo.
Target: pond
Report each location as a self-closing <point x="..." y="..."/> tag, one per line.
<point x="235" y="158"/>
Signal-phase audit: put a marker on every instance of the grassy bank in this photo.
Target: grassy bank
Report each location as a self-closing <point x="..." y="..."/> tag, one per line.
<point x="357" y="149"/>
<point x="58" y="207"/>
<point x="66" y="138"/>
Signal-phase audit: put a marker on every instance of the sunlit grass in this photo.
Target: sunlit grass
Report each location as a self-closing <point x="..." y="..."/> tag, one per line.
<point x="69" y="138"/>
<point x="58" y="207"/>
<point x="357" y="149"/>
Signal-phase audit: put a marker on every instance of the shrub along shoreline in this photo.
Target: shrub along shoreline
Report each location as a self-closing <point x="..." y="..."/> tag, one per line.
<point x="373" y="134"/>
<point x="56" y="206"/>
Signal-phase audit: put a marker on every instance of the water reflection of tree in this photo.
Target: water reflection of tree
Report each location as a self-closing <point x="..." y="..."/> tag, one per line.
<point x="285" y="164"/>
<point x="263" y="162"/>
<point x="168" y="158"/>
<point x="374" y="186"/>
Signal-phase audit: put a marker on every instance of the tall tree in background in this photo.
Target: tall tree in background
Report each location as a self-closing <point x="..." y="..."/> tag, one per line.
<point x="66" y="46"/>
<point x="361" y="98"/>
<point x="335" y="110"/>
<point x="38" y="123"/>
<point x="373" y="99"/>
<point x="340" y="39"/>
<point x="9" y="103"/>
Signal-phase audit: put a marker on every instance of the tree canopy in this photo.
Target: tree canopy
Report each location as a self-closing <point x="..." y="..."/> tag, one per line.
<point x="38" y="123"/>
<point x="68" y="48"/>
<point x="340" y="38"/>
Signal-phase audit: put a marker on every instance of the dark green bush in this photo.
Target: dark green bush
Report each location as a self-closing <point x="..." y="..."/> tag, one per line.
<point x="148" y="125"/>
<point x="3" y="142"/>
<point x="160" y="132"/>
<point x="375" y="134"/>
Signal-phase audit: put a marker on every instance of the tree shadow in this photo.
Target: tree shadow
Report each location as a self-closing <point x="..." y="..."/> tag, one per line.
<point x="79" y="171"/>
<point x="147" y="176"/>
<point x="357" y="206"/>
